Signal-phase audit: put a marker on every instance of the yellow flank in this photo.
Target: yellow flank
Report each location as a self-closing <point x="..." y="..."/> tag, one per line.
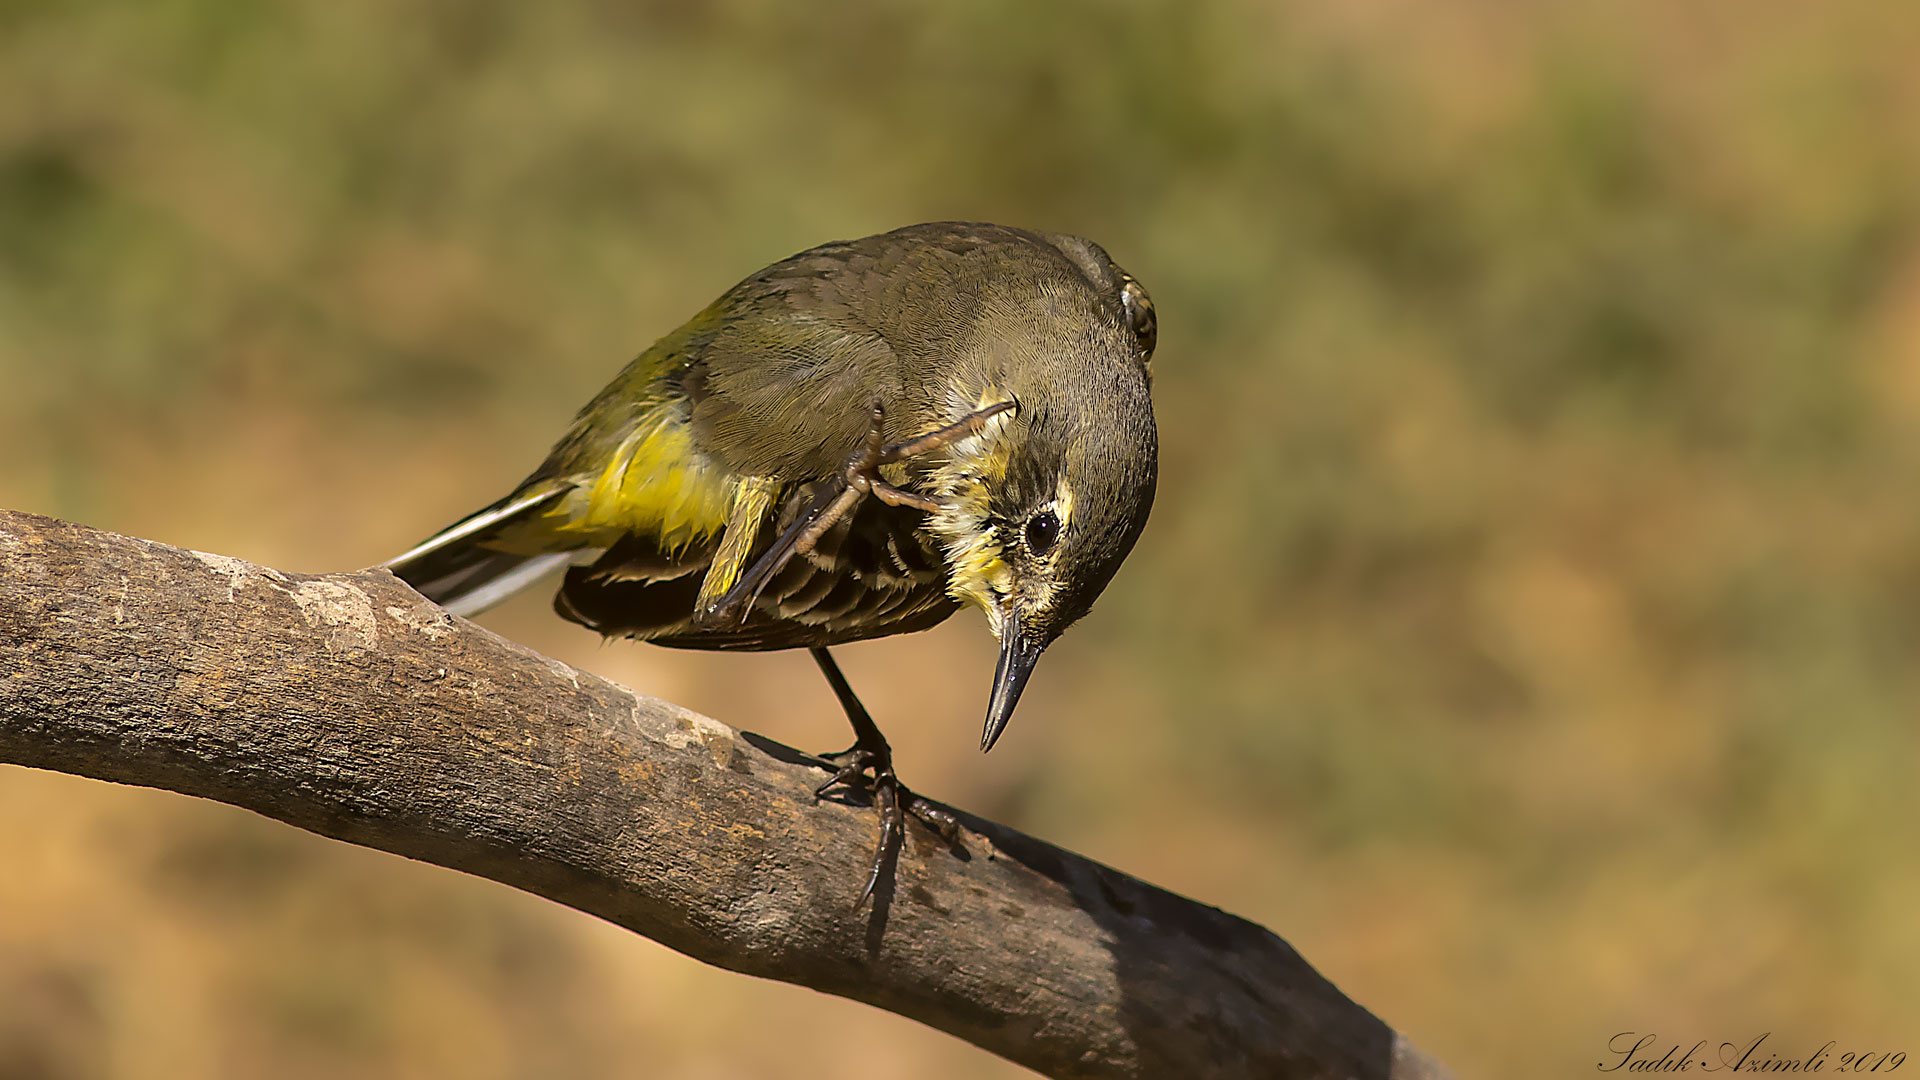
<point x="656" y="484"/>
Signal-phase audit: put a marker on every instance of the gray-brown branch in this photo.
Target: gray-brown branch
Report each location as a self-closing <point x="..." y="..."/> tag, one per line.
<point x="348" y="705"/>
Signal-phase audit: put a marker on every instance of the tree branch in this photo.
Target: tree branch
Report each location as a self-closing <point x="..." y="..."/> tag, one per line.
<point x="348" y="705"/>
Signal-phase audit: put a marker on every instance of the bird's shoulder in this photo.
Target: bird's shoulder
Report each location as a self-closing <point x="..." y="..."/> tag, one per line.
<point x="783" y="379"/>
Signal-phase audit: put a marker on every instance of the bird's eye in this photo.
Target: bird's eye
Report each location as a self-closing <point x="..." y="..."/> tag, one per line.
<point x="1043" y="531"/>
<point x="1140" y="317"/>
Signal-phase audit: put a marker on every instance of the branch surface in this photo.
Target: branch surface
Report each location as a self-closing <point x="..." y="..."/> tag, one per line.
<point x="348" y="705"/>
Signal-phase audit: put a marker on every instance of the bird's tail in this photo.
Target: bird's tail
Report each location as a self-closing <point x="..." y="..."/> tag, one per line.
<point x="459" y="569"/>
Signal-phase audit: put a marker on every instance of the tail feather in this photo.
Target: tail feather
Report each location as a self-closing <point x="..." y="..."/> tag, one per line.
<point x="492" y="581"/>
<point x="458" y="569"/>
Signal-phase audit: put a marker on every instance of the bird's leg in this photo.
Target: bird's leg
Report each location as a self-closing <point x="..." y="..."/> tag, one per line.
<point x="969" y="424"/>
<point x="840" y="496"/>
<point x="870" y="753"/>
<point x="861" y="474"/>
<point x="857" y="477"/>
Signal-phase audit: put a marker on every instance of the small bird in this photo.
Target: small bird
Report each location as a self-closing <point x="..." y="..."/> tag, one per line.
<point x="853" y="442"/>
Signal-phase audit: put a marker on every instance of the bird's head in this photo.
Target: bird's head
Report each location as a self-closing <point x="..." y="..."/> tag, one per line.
<point x="1047" y="499"/>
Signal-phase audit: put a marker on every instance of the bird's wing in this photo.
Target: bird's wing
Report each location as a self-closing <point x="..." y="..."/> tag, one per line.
<point x="871" y="575"/>
<point x="785" y="386"/>
<point x="678" y="464"/>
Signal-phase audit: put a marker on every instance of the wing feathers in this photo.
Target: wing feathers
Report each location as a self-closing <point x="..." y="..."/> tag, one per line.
<point x="852" y="587"/>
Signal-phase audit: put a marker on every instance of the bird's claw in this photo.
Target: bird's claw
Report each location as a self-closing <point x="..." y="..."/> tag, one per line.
<point x="866" y="767"/>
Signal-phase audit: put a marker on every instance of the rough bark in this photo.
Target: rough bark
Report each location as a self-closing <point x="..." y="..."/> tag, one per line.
<point x="348" y="705"/>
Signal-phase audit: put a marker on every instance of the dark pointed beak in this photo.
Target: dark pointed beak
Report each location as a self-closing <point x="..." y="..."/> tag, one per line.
<point x="1018" y="654"/>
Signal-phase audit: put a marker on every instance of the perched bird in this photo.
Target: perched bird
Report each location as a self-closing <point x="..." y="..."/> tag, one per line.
<point x="851" y="443"/>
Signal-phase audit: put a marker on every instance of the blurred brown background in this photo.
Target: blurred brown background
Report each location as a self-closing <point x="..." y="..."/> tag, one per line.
<point x="1526" y="630"/>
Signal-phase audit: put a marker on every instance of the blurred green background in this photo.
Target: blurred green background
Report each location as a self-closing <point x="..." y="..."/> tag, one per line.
<point x="1527" y="629"/>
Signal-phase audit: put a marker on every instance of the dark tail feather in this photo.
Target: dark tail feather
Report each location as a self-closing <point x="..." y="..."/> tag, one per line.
<point x="455" y="569"/>
<point x="634" y="589"/>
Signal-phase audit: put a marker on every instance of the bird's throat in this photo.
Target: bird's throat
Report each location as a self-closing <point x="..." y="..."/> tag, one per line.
<point x="977" y="572"/>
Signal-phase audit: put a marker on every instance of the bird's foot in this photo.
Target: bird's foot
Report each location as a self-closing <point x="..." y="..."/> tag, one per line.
<point x="873" y="768"/>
